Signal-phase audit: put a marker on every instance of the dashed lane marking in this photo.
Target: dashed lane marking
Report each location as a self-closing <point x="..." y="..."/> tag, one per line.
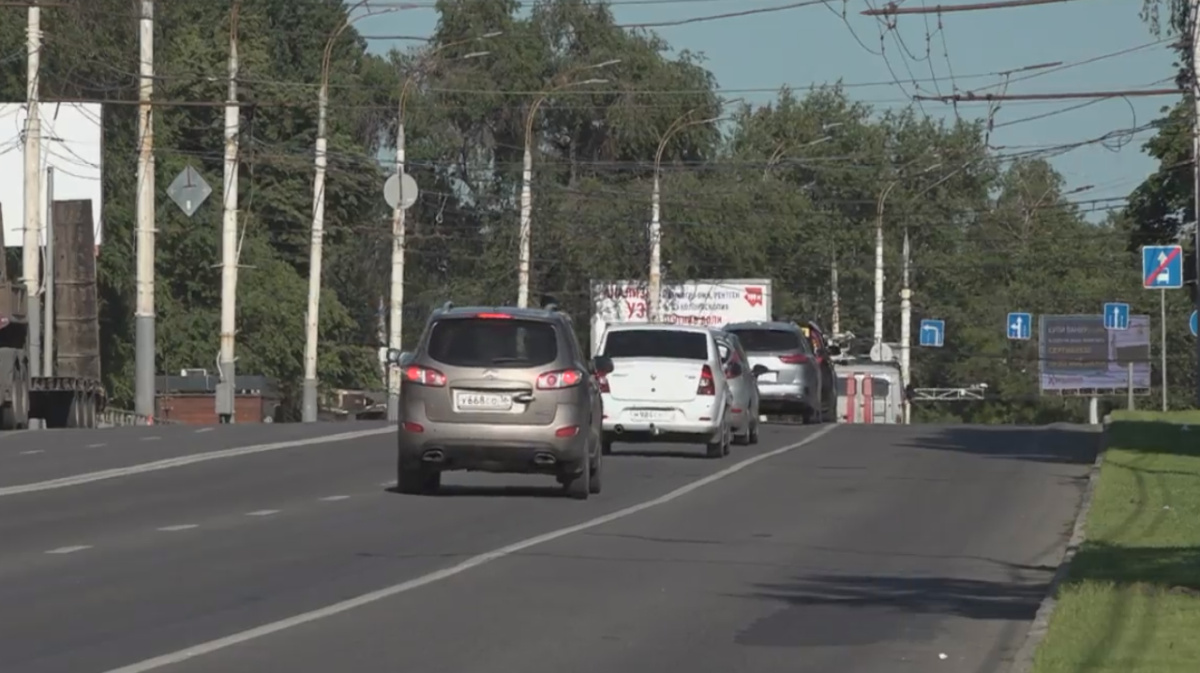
<point x="31" y="452"/>
<point x="333" y="498"/>
<point x="182" y="526"/>
<point x="181" y="461"/>
<point x="97" y="446"/>
<point x="263" y="512"/>
<point x="203" y="430"/>
<point x="469" y="564"/>
<point x="69" y="550"/>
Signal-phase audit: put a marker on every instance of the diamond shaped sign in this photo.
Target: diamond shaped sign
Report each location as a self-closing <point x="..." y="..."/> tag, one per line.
<point x="189" y="190"/>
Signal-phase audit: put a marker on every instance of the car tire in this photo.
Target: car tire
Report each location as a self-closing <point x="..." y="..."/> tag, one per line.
<point x="595" y="482"/>
<point x="418" y="481"/>
<point x="718" y="448"/>
<point x="606" y="446"/>
<point x="753" y="438"/>
<point x="579" y="486"/>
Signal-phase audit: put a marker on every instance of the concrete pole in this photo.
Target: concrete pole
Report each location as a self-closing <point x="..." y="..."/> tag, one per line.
<point x="526" y="232"/>
<point x="878" y="331"/>
<point x="32" y="241"/>
<point x="48" y="336"/>
<point x="1196" y="168"/>
<point x="396" y="313"/>
<point x="654" y="288"/>
<point x="835" y="299"/>
<point x="145" y="314"/>
<point x="906" y="331"/>
<point x="311" y="318"/>
<point x="229" y="235"/>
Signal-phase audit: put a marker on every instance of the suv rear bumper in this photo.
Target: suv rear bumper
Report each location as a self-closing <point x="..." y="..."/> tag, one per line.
<point x="777" y="394"/>
<point x="490" y="448"/>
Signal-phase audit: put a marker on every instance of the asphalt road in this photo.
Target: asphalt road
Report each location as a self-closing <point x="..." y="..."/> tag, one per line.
<point x="865" y="549"/>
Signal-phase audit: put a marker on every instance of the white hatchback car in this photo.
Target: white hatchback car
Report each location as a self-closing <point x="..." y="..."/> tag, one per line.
<point x="667" y="385"/>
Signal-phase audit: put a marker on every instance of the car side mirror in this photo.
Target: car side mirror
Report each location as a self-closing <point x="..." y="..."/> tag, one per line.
<point x="397" y="357"/>
<point x="735" y="370"/>
<point x="759" y="370"/>
<point x="834" y="349"/>
<point x="602" y="364"/>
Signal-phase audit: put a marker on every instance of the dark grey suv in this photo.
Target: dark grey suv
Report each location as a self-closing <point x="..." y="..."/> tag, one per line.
<point x="499" y="389"/>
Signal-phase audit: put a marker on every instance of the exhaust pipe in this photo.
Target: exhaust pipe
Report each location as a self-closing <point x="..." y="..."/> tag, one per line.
<point x="619" y="429"/>
<point x="433" y="456"/>
<point x="654" y="430"/>
<point x="544" y="459"/>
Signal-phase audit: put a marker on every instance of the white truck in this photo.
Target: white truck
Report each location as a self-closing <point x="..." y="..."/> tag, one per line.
<point x="703" y="303"/>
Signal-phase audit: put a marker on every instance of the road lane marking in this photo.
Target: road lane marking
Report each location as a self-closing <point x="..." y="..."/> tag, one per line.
<point x="262" y="512"/>
<point x="182" y="526"/>
<point x="333" y="498"/>
<point x="181" y="461"/>
<point x="151" y="438"/>
<point x="31" y="452"/>
<point x="96" y="446"/>
<point x="203" y="430"/>
<point x="469" y="564"/>
<point x="69" y="550"/>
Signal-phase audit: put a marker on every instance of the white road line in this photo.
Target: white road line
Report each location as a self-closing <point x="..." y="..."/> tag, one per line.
<point x="182" y="526"/>
<point x="168" y="463"/>
<point x="263" y="512"/>
<point x="96" y="446"/>
<point x="31" y="452"/>
<point x="473" y="562"/>
<point x="69" y="550"/>
<point x="147" y="439"/>
<point x="203" y="430"/>
<point x="334" y="498"/>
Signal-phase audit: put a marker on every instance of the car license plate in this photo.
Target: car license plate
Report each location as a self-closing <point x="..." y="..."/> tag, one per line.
<point x="651" y="415"/>
<point x="465" y="401"/>
<point x="769" y="377"/>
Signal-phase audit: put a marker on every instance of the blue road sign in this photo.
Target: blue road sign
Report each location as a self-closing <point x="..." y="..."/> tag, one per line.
<point x="1116" y="316"/>
<point x="1020" y="326"/>
<point x="933" y="333"/>
<point x="1194" y="326"/>
<point x="1162" y="267"/>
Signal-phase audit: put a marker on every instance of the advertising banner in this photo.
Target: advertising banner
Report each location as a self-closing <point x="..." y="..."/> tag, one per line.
<point x="1078" y="353"/>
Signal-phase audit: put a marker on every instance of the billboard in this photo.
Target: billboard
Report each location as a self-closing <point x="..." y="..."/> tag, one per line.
<point x="1076" y="352"/>
<point x="71" y="144"/>
<point x="693" y="302"/>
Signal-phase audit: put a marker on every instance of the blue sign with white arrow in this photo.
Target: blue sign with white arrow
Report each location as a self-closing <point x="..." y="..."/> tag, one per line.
<point x="1116" y="316"/>
<point x="1194" y="326"/>
<point x="933" y="333"/>
<point x="1162" y="267"/>
<point x="1020" y="326"/>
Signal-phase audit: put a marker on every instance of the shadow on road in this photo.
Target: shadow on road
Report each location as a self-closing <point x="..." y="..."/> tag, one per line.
<point x="1075" y="445"/>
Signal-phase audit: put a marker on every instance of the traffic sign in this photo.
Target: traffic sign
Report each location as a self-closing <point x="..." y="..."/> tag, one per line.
<point x="1194" y="326"/>
<point x="1162" y="267"/>
<point x="392" y="190"/>
<point x="1116" y="316"/>
<point x="189" y="190"/>
<point x="1020" y="326"/>
<point x="933" y="333"/>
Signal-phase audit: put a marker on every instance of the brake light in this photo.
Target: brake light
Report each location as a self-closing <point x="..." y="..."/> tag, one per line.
<point x="493" y="316"/>
<point x="424" y="376"/>
<point x="794" y="359"/>
<point x="603" y="381"/>
<point x="707" y="386"/>
<point x="558" y="380"/>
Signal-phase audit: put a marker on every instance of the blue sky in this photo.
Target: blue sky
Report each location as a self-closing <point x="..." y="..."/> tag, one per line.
<point x="755" y="54"/>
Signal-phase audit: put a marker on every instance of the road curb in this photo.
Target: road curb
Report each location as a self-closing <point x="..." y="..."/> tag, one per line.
<point x="1023" y="660"/>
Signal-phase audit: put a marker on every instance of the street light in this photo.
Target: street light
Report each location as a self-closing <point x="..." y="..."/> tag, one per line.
<point x="654" y="288"/>
<point x="396" y="308"/>
<point x="527" y="173"/>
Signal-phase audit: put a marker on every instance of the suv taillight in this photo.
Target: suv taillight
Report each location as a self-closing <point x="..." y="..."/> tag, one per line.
<point x="794" y="359"/>
<point x="565" y="378"/>
<point x="603" y="381"/>
<point x="424" y="376"/>
<point x="707" y="386"/>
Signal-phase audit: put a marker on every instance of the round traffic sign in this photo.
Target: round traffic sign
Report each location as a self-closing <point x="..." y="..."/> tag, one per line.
<point x="1195" y="327"/>
<point x="392" y="190"/>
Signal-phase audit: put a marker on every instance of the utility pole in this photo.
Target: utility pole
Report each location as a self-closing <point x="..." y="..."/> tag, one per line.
<point x="144" y="322"/>
<point x="32" y="241"/>
<point x="1196" y="168"/>
<point x="311" y="316"/>
<point x="227" y="387"/>
<point x="48" y="346"/>
<point x="906" y="330"/>
<point x="878" y="331"/>
<point x="836" y="327"/>
<point x="396" y="313"/>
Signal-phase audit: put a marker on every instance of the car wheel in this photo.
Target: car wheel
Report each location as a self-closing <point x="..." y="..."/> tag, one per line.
<point x="753" y="439"/>
<point x="719" y="446"/>
<point x="579" y="486"/>
<point x="606" y="446"/>
<point x="417" y="481"/>
<point x="727" y="444"/>
<point x="594" y="479"/>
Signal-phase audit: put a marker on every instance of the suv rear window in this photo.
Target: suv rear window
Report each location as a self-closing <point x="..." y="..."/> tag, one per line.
<point x="656" y="343"/>
<point x="475" y="342"/>
<point x="767" y="340"/>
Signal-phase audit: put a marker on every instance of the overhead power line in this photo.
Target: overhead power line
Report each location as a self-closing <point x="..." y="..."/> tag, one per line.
<point x="893" y="9"/>
<point x="970" y="96"/>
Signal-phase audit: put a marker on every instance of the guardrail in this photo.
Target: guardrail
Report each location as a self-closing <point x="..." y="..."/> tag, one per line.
<point x="112" y="418"/>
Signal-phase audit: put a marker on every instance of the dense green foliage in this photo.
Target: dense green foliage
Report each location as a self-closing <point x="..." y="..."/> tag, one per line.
<point x="781" y="191"/>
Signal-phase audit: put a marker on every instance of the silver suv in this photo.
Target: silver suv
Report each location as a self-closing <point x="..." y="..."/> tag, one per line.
<point x="790" y="378"/>
<point x="499" y="390"/>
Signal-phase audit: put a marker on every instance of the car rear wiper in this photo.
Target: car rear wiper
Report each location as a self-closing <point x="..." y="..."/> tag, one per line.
<point x="508" y="361"/>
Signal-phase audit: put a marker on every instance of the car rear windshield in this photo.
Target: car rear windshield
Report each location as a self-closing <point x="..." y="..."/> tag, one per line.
<point x="769" y="340"/>
<point x="656" y="343"/>
<point x="479" y="342"/>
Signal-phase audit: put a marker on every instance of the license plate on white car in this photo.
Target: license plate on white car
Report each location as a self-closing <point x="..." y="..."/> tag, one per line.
<point x="470" y="401"/>
<point x="654" y="415"/>
<point x="769" y="377"/>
